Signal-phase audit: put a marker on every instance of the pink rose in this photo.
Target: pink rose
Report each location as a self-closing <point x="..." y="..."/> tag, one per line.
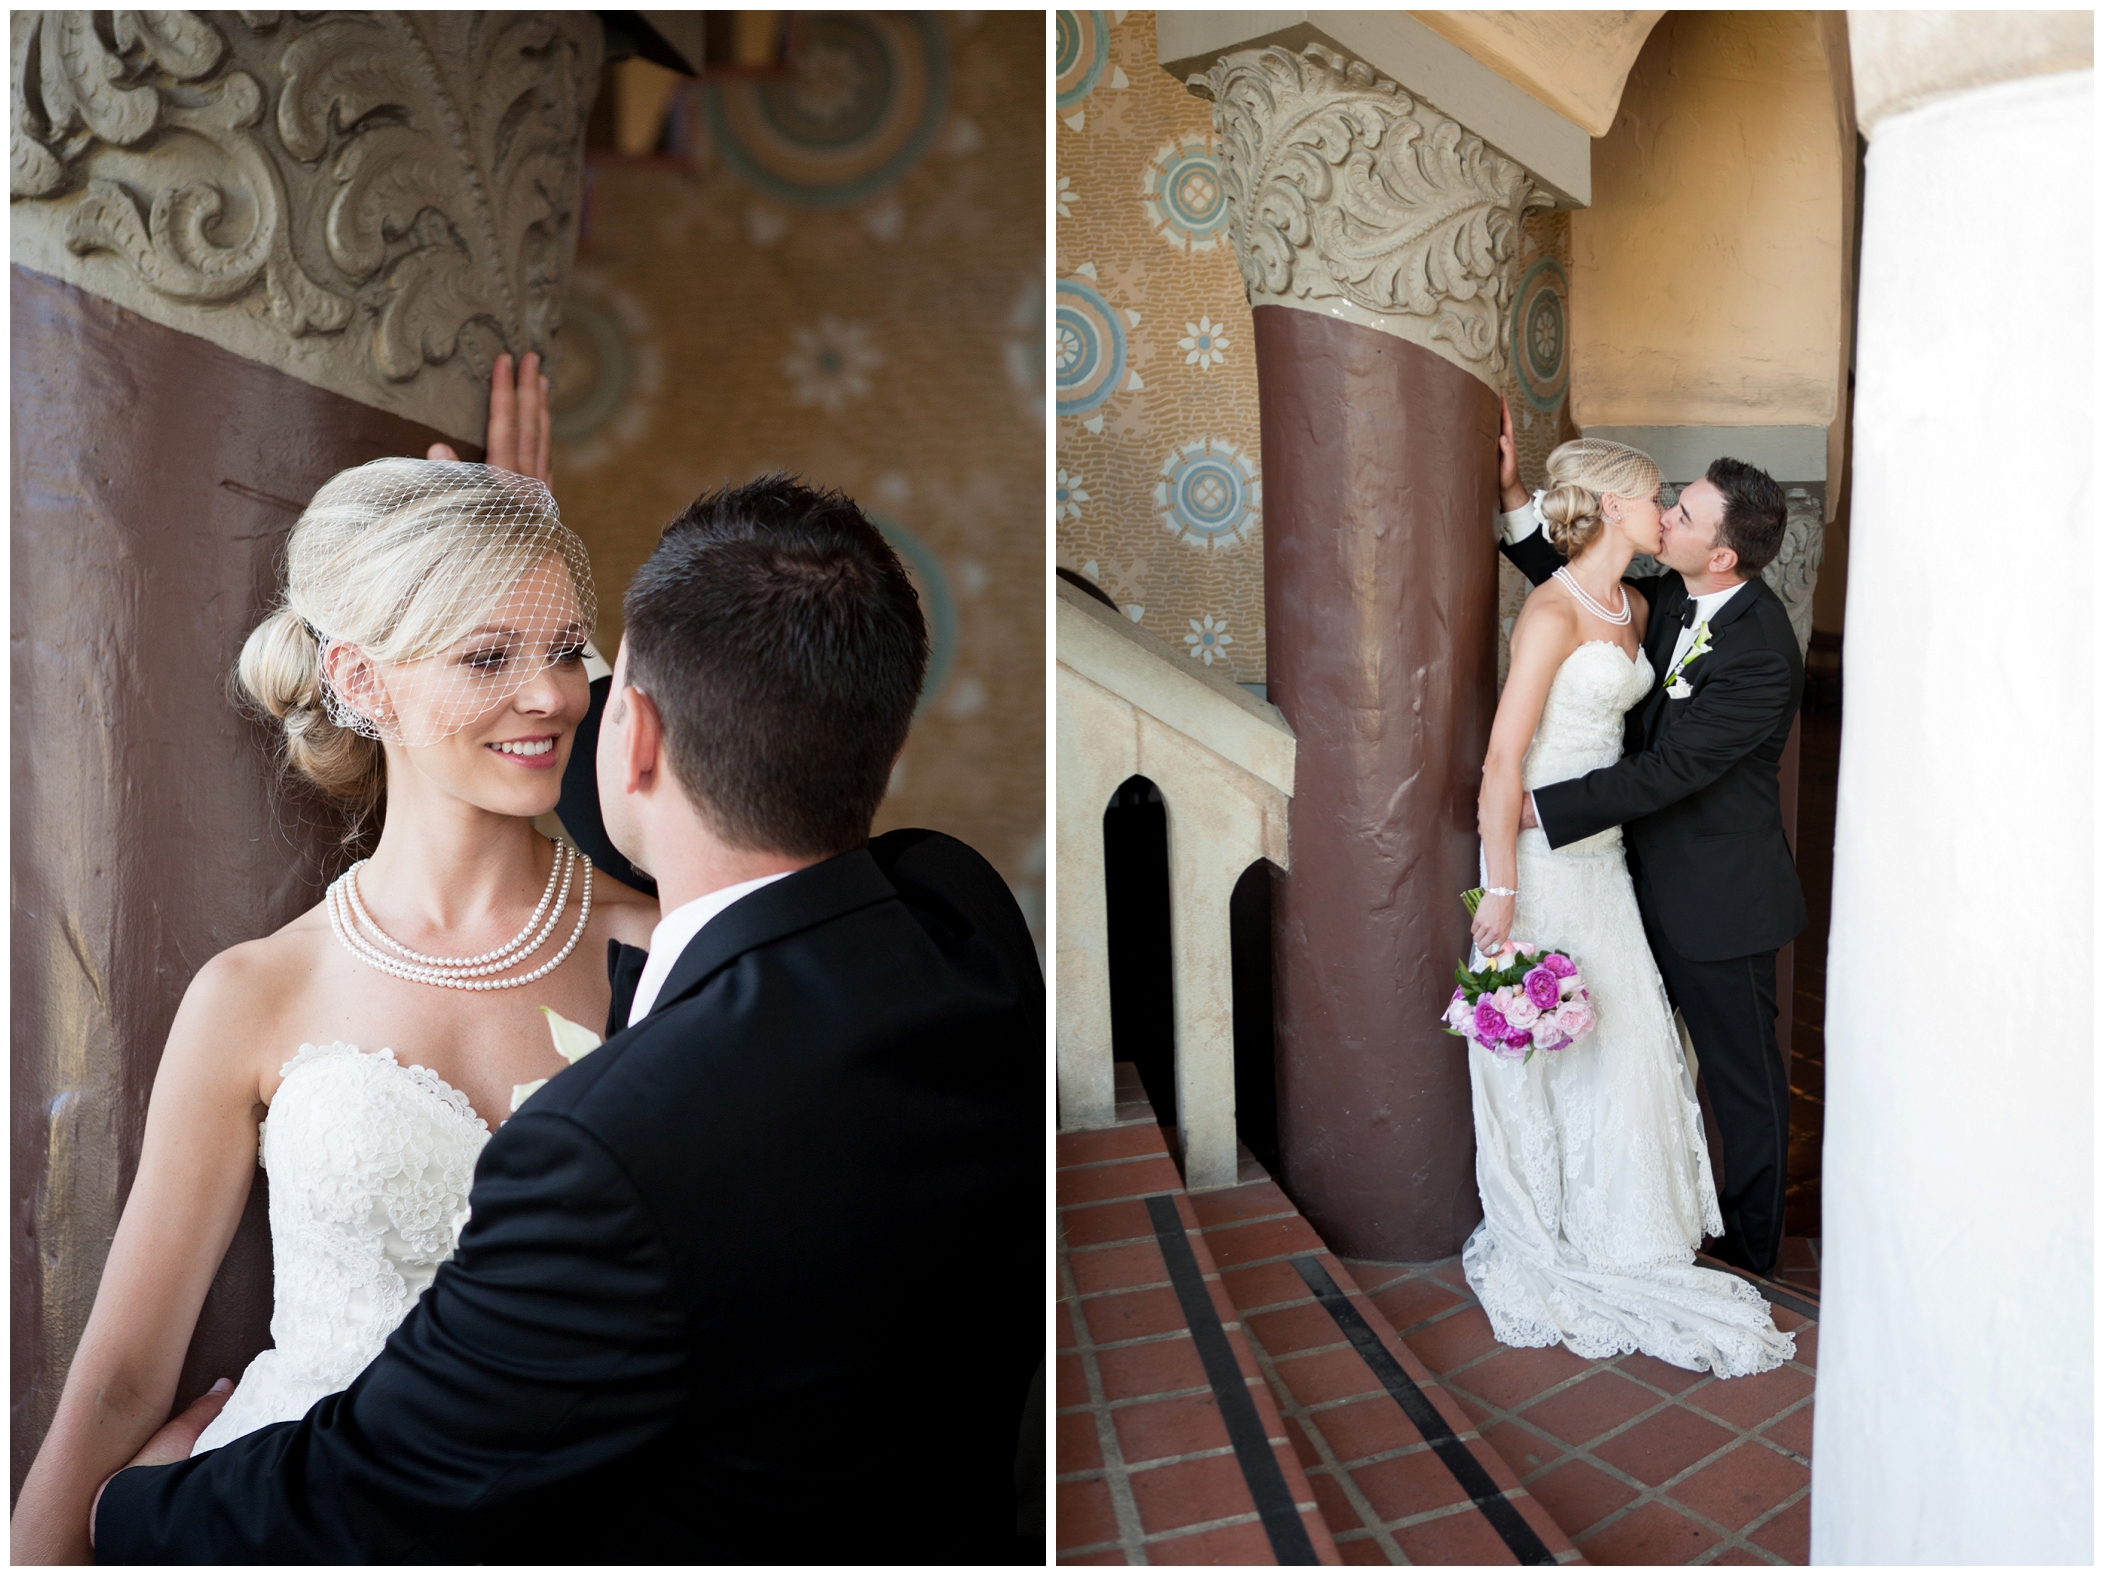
<point x="1575" y="1017"/>
<point x="1459" y="1014"/>
<point x="1559" y="965"/>
<point x="1547" y="1037"/>
<point x="1490" y="1023"/>
<point x="1568" y="987"/>
<point x="1541" y="988"/>
<point x="1521" y="1012"/>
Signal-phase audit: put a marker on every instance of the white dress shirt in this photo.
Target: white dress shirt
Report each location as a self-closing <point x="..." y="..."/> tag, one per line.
<point x="1706" y="607"/>
<point x="675" y="931"/>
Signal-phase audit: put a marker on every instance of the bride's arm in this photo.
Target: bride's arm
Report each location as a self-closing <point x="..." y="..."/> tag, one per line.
<point x="1543" y="636"/>
<point x="195" y="1169"/>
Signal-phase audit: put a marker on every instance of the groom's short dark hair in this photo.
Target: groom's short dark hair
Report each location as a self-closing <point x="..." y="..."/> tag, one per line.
<point x="783" y="645"/>
<point x="1754" y="513"/>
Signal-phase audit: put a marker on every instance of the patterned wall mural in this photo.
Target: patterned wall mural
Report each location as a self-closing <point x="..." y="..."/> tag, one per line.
<point x="1159" y="484"/>
<point x="840" y="273"/>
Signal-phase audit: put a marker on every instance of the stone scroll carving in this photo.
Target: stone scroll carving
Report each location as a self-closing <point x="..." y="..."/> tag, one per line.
<point x="1346" y="194"/>
<point x="375" y="202"/>
<point x="1794" y="572"/>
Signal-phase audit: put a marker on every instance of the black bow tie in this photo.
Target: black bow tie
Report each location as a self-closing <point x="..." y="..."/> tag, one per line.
<point x="1687" y="614"/>
<point x="624" y="971"/>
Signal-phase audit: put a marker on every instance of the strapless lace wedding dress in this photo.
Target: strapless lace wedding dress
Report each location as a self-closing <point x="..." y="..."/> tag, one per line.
<point x="1591" y="1162"/>
<point x="370" y="1163"/>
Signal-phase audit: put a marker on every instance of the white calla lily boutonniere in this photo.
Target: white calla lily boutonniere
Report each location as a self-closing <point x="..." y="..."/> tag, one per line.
<point x="1676" y="686"/>
<point x="573" y="1040"/>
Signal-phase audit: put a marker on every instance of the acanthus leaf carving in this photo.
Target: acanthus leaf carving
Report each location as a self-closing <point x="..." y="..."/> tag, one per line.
<point x="1794" y="572"/>
<point x="1340" y="184"/>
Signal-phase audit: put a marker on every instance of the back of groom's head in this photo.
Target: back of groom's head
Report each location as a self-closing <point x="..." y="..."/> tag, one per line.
<point x="782" y="643"/>
<point x="1755" y="513"/>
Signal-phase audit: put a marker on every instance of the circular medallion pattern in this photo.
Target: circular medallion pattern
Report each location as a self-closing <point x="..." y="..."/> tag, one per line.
<point x="1209" y="495"/>
<point x="938" y="604"/>
<point x="1088" y="348"/>
<point x="1184" y="195"/>
<point x="1541" y="340"/>
<point x="868" y="91"/>
<point x="1083" y="51"/>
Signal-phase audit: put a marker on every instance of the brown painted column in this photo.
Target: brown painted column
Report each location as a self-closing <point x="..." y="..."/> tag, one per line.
<point x="1378" y="239"/>
<point x="178" y="395"/>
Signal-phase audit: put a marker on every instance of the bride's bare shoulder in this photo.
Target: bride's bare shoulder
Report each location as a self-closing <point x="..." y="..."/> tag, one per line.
<point x="1548" y="619"/>
<point x="256" y="977"/>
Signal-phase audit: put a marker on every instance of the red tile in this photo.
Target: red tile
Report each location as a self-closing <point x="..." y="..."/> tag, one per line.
<point x="1326" y="1376"/>
<point x="1076" y="1447"/>
<point x="1104" y="1557"/>
<point x="1094" y="1223"/>
<point x="1250" y="1201"/>
<point x="1247" y="1544"/>
<point x="1661" y="1376"/>
<point x="1295" y="1329"/>
<point x="1786" y="1318"/>
<point x="1738" y="1557"/>
<point x="1363" y="1551"/>
<point x="1578" y="1494"/>
<point x="1187" y="1492"/>
<point x="1590" y="1407"/>
<point x="1127" y="1315"/>
<point x="1084" y="1514"/>
<point x="1364" y="1428"/>
<point x="1264" y="1285"/>
<point x="1460" y="1338"/>
<point x="1463" y="1538"/>
<point x="1303" y="1447"/>
<point x="1522" y="1449"/>
<point x="1110" y="1143"/>
<point x="1372" y="1274"/>
<point x="1510" y="1378"/>
<point x="1552" y="1536"/>
<point x="1408" y="1485"/>
<point x="1653" y="1534"/>
<point x="1233" y="1245"/>
<point x="1178" y="1427"/>
<point x="1753" y="1400"/>
<point x="1478" y="1412"/>
<point x="1789" y="1534"/>
<point x="1150" y="1368"/>
<point x="1117" y="1269"/>
<point x="1793" y="1432"/>
<point x="1336" y="1507"/>
<point x="1797" y="1254"/>
<point x="1748" y="1482"/>
<point x="1413" y="1301"/>
<point x="1659" y="1447"/>
<point x="1070" y="1383"/>
<point x="1125" y="1179"/>
<point x="1066" y="1329"/>
<point x="1808" y="1345"/>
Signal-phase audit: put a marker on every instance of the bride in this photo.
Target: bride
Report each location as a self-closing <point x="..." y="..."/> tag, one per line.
<point x="428" y="651"/>
<point x="1594" y="1174"/>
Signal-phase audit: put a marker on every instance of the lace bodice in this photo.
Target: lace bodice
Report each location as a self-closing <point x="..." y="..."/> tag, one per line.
<point x="370" y="1164"/>
<point x="1581" y="721"/>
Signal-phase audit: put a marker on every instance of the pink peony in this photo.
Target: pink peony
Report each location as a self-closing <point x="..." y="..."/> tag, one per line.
<point x="1518" y="1043"/>
<point x="1541" y="988"/>
<point x="1575" y="1017"/>
<point x="1559" y="965"/>
<point x="1569" y="986"/>
<point x="1459" y="1014"/>
<point x="1547" y="1037"/>
<point x="1521" y="1011"/>
<point x="1490" y="1023"/>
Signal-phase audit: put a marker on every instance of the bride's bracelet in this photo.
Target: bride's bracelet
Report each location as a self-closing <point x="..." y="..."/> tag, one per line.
<point x="1500" y="892"/>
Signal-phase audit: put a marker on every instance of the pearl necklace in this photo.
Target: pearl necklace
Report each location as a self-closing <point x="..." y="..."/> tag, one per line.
<point x="1585" y="600"/>
<point x="347" y="909"/>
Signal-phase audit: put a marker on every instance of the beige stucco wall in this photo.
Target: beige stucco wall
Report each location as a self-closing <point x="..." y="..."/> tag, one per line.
<point x="1710" y="274"/>
<point x="1573" y="61"/>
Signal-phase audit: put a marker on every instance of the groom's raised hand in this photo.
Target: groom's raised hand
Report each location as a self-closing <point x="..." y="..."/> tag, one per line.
<point x="173" y="1442"/>
<point x="518" y="420"/>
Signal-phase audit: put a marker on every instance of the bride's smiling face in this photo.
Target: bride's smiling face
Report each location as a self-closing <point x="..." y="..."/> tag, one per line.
<point x="519" y="679"/>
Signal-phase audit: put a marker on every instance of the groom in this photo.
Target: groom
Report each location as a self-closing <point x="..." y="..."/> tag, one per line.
<point x="1697" y="797"/>
<point x="759" y="1279"/>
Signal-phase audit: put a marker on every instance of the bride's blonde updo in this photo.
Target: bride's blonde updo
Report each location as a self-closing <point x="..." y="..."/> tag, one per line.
<point x="1579" y="472"/>
<point x="401" y="558"/>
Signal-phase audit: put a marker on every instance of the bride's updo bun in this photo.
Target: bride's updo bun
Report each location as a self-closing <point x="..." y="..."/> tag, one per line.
<point x="1579" y="473"/>
<point x="280" y="671"/>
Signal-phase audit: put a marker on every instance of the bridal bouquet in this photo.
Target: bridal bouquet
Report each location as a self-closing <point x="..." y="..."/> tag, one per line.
<point x="1524" y="999"/>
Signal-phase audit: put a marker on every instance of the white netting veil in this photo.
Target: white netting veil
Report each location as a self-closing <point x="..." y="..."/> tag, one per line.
<point x="434" y="591"/>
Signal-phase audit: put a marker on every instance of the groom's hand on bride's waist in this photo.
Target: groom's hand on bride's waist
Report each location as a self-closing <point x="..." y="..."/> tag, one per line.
<point x="1527" y="816"/>
<point x="173" y="1442"/>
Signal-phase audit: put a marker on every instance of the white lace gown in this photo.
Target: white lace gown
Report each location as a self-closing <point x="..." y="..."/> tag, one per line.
<point x="1591" y="1162"/>
<point x="370" y="1164"/>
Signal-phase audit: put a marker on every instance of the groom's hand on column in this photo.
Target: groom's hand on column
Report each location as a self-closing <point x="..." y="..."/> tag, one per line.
<point x="173" y="1442"/>
<point x="1510" y="493"/>
<point x="518" y="421"/>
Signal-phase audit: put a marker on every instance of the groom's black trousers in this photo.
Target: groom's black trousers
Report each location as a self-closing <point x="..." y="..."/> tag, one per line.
<point x="1729" y="1007"/>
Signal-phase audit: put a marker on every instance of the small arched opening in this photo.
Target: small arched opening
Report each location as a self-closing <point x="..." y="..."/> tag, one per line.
<point x="1136" y="911"/>
<point x="1256" y="1077"/>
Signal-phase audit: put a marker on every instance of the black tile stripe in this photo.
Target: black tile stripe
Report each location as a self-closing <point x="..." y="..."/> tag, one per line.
<point x="1245" y="1429"/>
<point x="1477" y="1483"/>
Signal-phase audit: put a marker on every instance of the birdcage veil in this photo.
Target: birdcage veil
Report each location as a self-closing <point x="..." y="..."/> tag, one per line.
<point x="434" y="592"/>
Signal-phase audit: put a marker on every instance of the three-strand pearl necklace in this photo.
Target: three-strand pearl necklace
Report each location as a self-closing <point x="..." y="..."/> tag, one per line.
<point x="351" y="923"/>
<point x="1586" y="601"/>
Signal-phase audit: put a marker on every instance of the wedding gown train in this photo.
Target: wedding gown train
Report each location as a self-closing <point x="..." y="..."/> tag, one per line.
<point x="370" y="1163"/>
<point x="1594" y="1174"/>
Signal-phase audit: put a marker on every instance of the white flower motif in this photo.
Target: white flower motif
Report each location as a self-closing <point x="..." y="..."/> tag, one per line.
<point x="1064" y="197"/>
<point x="1067" y="496"/>
<point x="1207" y="343"/>
<point x="1209" y="640"/>
<point x="831" y="363"/>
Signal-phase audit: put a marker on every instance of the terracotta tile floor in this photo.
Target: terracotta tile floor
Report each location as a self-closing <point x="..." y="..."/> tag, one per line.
<point x="1640" y="1462"/>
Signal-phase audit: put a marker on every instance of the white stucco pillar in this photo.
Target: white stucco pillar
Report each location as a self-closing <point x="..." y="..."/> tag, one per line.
<point x="1953" y="1419"/>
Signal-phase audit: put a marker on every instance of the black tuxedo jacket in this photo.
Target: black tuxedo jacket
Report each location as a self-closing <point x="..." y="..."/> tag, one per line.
<point x="761" y="1279"/>
<point x="1696" y="791"/>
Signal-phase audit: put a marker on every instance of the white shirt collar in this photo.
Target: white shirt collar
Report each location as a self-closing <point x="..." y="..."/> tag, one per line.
<point x="676" y="931"/>
<point x="1709" y="602"/>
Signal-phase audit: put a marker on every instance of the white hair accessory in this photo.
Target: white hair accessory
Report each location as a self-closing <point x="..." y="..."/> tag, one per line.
<point x="1541" y="521"/>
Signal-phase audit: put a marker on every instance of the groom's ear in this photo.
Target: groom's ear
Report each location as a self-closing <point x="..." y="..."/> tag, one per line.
<point x="644" y="740"/>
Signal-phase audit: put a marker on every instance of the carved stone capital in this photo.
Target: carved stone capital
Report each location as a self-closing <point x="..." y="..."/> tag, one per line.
<point x="377" y="203"/>
<point x="1795" y="570"/>
<point x="1348" y="197"/>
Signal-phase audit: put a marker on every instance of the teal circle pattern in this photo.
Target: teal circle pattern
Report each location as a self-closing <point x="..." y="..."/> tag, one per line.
<point x="1083" y="50"/>
<point x="1186" y="196"/>
<point x="1209" y="495"/>
<point x="1089" y="341"/>
<point x="938" y="605"/>
<point x="1541" y="336"/>
<point x="607" y="352"/>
